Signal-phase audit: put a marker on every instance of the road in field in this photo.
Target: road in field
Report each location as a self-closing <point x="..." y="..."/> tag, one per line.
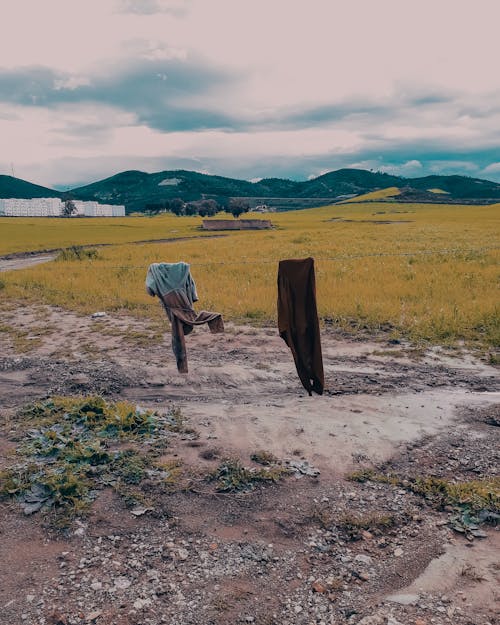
<point x="9" y="264"/>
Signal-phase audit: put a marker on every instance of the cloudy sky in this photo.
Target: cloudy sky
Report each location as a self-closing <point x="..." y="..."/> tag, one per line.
<point x="248" y="88"/>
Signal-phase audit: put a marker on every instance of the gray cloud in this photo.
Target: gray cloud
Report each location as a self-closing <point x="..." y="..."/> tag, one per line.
<point x="157" y="92"/>
<point x="151" y="7"/>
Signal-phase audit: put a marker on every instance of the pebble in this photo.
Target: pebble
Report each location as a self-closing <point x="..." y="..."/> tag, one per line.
<point x="122" y="583"/>
<point x="404" y="599"/>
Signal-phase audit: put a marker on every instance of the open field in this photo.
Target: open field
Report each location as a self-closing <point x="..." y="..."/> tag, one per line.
<point x="227" y="495"/>
<point x="25" y="234"/>
<point x="428" y="273"/>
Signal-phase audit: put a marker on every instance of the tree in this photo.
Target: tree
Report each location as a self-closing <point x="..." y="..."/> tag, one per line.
<point x="238" y="206"/>
<point x="176" y="206"/>
<point x="69" y="208"/>
<point x="207" y="208"/>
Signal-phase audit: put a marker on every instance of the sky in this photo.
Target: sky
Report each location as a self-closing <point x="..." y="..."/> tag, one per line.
<point x="248" y="88"/>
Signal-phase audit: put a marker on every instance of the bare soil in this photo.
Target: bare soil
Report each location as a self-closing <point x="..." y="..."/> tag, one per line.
<point x="279" y="554"/>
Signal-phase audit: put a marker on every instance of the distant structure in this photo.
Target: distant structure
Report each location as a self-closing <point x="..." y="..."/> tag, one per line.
<point x="94" y="209"/>
<point x="236" y="224"/>
<point x="53" y="207"/>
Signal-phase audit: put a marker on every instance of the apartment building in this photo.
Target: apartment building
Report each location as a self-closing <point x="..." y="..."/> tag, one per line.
<point x="53" y="207"/>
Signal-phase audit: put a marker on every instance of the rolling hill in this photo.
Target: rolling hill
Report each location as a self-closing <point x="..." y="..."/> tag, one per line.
<point x="139" y="190"/>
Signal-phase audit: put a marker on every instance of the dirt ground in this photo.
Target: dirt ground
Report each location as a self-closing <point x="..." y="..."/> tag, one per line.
<point x="279" y="554"/>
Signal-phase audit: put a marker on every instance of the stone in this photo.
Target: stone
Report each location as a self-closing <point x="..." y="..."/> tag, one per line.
<point x="392" y="621"/>
<point x="139" y="604"/>
<point x="182" y="554"/>
<point x="121" y="583"/>
<point x="398" y="552"/>
<point x="363" y="558"/>
<point x="404" y="599"/>
<point x="93" y="615"/>
<point x="318" y="587"/>
<point x="374" y="619"/>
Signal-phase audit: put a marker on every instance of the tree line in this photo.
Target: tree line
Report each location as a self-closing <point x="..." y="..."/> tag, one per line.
<point x="204" y="208"/>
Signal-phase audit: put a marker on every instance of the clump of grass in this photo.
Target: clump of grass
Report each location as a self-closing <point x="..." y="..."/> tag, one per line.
<point x="212" y="453"/>
<point x="231" y="476"/>
<point x="476" y="495"/>
<point x="21" y="340"/>
<point x="374" y="523"/>
<point x="70" y="452"/>
<point x="77" y="252"/>
<point x="264" y="457"/>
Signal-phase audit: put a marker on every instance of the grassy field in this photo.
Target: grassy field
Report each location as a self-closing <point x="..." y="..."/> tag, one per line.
<point x="25" y="234"/>
<point x="429" y="275"/>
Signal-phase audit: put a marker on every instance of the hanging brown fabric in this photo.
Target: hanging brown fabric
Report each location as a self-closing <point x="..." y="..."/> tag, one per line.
<point x="175" y="287"/>
<point x="298" y="320"/>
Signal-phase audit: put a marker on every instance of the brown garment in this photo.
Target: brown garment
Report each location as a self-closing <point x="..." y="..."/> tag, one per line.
<point x="182" y="317"/>
<point x="298" y="320"/>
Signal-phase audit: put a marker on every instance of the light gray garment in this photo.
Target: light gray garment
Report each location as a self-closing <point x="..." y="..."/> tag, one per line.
<point x="163" y="278"/>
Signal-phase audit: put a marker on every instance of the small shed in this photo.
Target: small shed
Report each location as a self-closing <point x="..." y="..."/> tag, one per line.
<point x="236" y="224"/>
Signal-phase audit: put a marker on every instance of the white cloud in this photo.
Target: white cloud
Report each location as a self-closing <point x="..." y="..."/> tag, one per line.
<point x="492" y="168"/>
<point x="71" y="83"/>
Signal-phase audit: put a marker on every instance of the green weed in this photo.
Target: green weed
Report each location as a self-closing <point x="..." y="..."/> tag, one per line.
<point x="75" y="446"/>
<point x="232" y="476"/>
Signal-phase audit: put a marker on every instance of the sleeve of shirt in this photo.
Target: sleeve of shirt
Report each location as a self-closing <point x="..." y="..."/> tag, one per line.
<point x="192" y="289"/>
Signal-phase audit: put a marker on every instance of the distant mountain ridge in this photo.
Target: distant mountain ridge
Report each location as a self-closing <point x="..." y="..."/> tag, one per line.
<point x="137" y="190"/>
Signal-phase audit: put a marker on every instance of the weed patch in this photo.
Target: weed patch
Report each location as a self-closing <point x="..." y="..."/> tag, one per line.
<point x="74" y="447"/>
<point x="76" y="252"/>
<point x="475" y="501"/>
<point x="231" y="476"/>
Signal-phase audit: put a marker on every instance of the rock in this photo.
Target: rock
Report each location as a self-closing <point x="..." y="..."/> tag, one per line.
<point x="398" y="552"/>
<point x="96" y="585"/>
<point x="365" y="535"/>
<point x="182" y="554"/>
<point x="375" y="619"/>
<point x="404" y="599"/>
<point x="93" y="615"/>
<point x="317" y="586"/>
<point x="139" y="604"/>
<point x="392" y="621"/>
<point x="121" y="583"/>
<point x="363" y="558"/>
<point x="420" y="621"/>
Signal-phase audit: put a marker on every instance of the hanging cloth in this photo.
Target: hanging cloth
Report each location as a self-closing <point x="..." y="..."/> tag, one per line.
<point x="298" y="323"/>
<point x="173" y="284"/>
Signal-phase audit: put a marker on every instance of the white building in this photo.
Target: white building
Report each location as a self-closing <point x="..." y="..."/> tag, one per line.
<point x="94" y="209"/>
<point x="53" y="207"/>
<point x="37" y="207"/>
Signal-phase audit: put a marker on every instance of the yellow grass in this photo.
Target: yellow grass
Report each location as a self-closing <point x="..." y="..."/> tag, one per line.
<point x="368" y="275"/>
<point x="381" y="194"/>
<point x="22" y="234"/>
<point x="438" y="191"/>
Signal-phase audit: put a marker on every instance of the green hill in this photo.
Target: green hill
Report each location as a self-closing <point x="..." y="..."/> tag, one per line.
<point x="11" y="187"/>
<point x="139" y="191"/>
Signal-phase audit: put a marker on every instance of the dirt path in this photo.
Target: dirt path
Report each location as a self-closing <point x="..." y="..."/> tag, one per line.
<point x="22" y="262"/>
<point x="279" y="554"/>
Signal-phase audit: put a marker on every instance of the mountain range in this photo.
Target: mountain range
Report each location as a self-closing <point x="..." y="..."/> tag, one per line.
<point x="139" y="191"/>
